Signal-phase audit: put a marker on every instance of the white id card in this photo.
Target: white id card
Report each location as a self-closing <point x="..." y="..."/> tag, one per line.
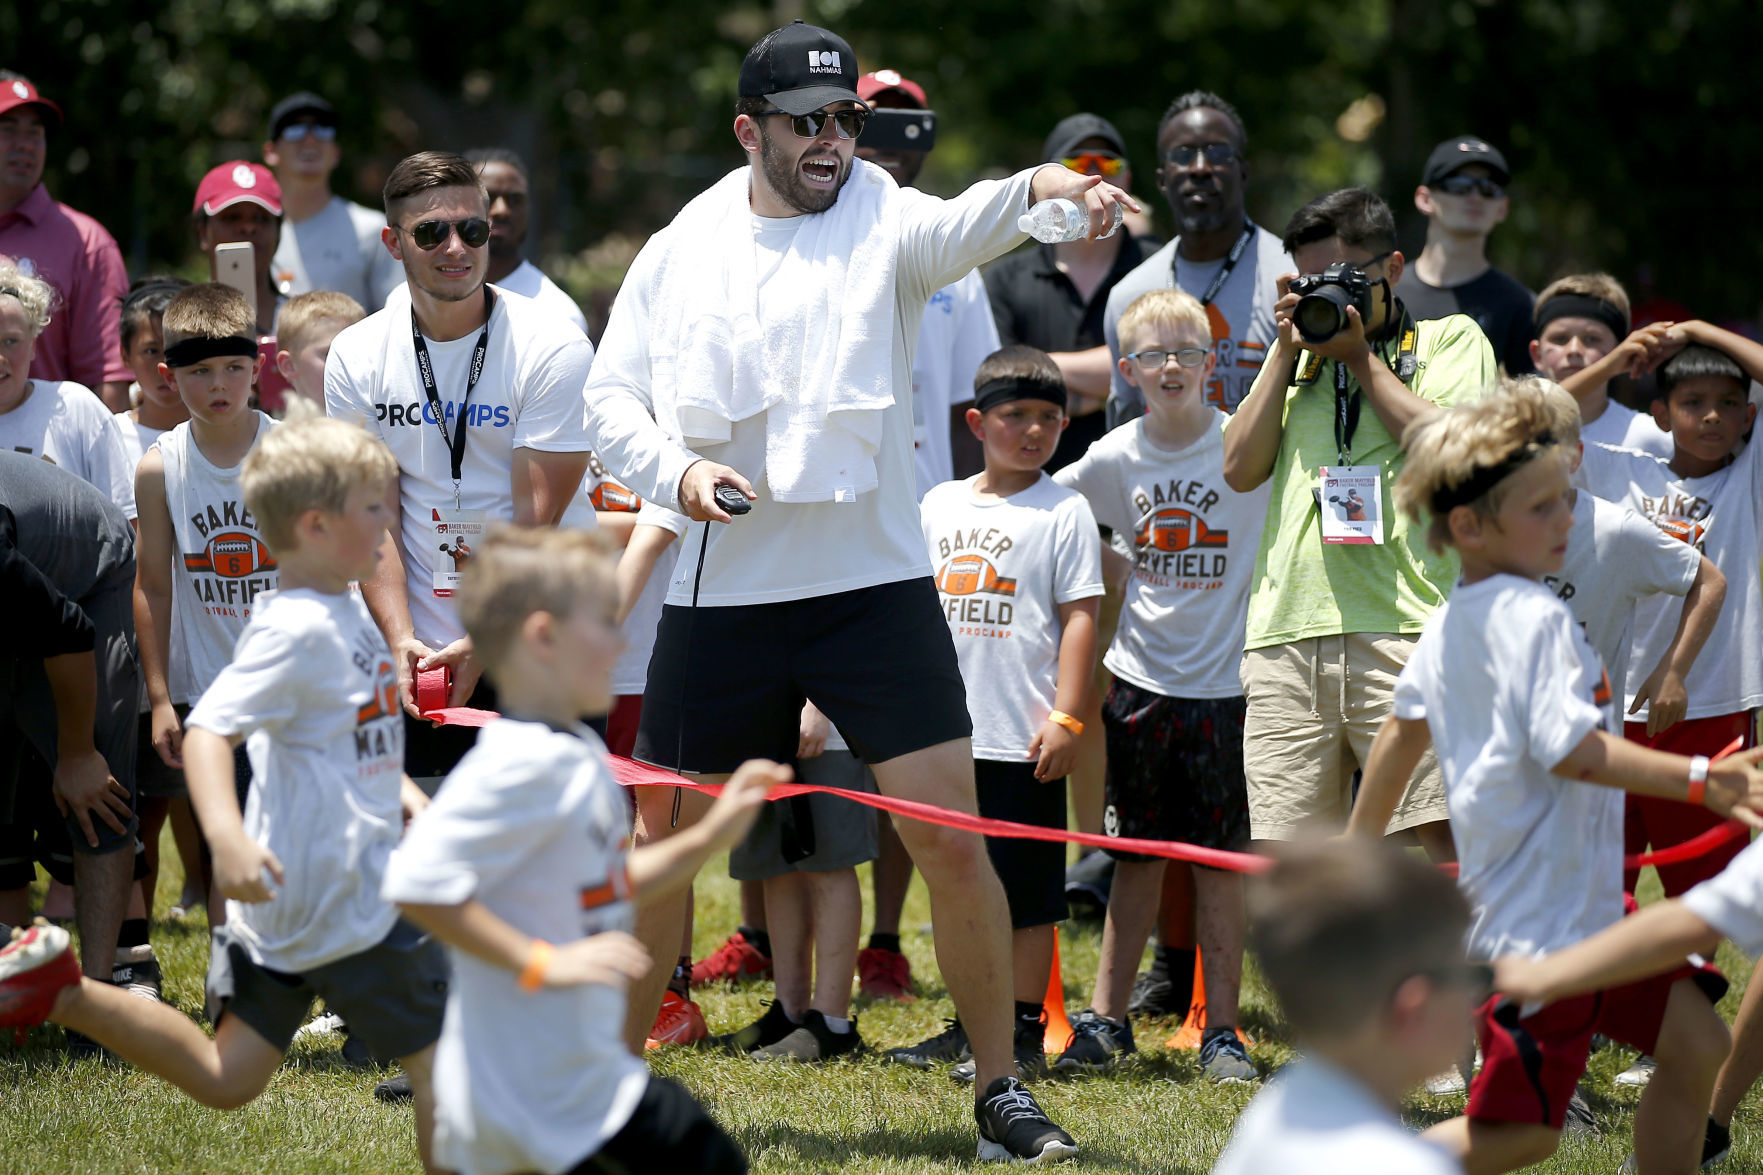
<point x="1351" y="498"/>
<point x="457" y="534"/>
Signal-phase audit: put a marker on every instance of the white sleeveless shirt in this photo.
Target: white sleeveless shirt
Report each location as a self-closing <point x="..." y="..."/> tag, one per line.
<point x="221" y="563"/>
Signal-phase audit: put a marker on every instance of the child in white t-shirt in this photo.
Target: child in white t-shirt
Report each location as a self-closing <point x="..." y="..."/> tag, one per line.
<point x="1363" y="947"/>
<point x="1583" y="341"/>
<point x="313" y="689"/>
<point x="528" y="844"/>
<point x="1019" y="573"/>
<point x="1508" y="689"/>
<point x="304" y="328"/>
<point x="155" y="405"/>
<point x="1174" y="716"/>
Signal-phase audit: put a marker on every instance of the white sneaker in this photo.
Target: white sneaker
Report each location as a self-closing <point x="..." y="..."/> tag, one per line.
<point x="1637" y="1075"/>
<point x="319" y="1026"/>
<point x="1446" y="1084"/>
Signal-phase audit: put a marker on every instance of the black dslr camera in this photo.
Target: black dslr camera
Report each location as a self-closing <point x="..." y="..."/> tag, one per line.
<point x="1323" y="299"/>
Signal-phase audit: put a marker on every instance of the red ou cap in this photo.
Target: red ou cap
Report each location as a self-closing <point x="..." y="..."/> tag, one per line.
<point x="871" y="84"/>
<point x="16" y="92"/>
<point x="231" y="183"/>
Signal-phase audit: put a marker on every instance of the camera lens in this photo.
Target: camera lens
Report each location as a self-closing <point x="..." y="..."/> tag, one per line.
<point x="1322" y="315"/>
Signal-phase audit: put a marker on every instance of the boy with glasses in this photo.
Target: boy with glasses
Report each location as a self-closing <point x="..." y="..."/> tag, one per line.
<point x="1462" y="194"/>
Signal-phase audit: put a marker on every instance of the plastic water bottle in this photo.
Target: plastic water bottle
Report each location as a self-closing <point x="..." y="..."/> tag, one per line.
<point x="1055" y="221"/>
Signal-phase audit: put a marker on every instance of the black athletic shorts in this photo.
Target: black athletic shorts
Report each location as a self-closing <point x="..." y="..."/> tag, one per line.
<point x="1175" y="769"/>
<point x="1033" y="871"/>
<point x="668" y="1131"/>
<point x="877" y="661"/>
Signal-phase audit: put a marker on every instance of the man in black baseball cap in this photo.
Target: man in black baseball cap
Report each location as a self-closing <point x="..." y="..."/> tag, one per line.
<point x="771" y="324"/>
<point x="1462" y="194"/>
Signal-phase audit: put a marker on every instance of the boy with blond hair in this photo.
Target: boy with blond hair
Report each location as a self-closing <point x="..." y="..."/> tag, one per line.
<point x="1174" y="717"/>
<point x="304" y="328"/>
<point x="1508" y="688"/>
<point x="1363" y="947"/>
<point x="527" y="845"/>
<point x="1583" y="341"/>
<point x="313" y="688"/>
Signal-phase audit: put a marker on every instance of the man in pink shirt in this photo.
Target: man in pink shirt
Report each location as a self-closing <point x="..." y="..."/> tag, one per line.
<point x="68" y="249"/>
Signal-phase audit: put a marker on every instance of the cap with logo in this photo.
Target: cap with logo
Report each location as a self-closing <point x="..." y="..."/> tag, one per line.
<point x="1075" y="129"/>
<point x="1456" y="154"/>
<point x="800" y="68"/>
<point x="16" y="92"/>
<point x="883" y="80"/>
<point x="297" y="106"/>
<point x="238" y="182"/>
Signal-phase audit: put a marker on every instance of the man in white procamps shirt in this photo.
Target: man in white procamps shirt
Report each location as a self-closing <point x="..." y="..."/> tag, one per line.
<point x="821" y="598"/>
<point x="505" y="179"/>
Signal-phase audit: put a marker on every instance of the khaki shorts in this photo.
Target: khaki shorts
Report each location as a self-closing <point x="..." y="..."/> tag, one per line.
<point x="1314" y="708"/>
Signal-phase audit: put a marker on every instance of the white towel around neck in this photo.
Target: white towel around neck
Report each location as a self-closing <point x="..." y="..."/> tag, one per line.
<point x="818" y="361"/>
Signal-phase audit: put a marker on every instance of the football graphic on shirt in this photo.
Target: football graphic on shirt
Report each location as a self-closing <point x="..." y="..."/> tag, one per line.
<point x="384" y="702"/>
<point x="232" y="554"/>
<point x="1177" y="530"/>
<point x="609" y="495"/>
<point x="1685" y="530"/>
<point x="967" y="575"/>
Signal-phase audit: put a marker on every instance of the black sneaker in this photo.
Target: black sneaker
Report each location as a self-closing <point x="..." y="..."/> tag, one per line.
<point x="397" y="1089"/>
<point x="355" y="1052"/>
<point x="1097" y="1043"/>
<point x="946" y="1046"/>
<point x="81" y="1047"/>
<point x="139" y="974"/>
<point x="1014" y="1129"/>
<point x="1029" y="1043"/>
<point x="1716" y="1144"/>
<point x="762" y="1033"/>
<point x="1224" y="1060"/>
<point x="813" y="1041"/>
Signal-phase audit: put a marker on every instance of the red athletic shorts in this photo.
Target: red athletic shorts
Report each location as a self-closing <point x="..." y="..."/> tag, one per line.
<point x="621" y="724"/>
<point x="1663" y="823"/>
<point x="1530" y="1066"/>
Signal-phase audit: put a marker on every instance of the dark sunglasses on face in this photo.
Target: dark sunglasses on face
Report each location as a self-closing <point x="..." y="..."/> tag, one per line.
<point x="849" y="123"/>
<point x="1217" y="154"/>
<point x="432" y="234"/>
<point x="295" y="131"/>
<point x="1462" y="185"/>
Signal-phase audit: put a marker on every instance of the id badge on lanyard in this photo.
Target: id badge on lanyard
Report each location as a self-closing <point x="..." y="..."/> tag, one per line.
<point x="457" y="535"/>
<point x="1349" y="496"/>
<point x="455" y="532"/>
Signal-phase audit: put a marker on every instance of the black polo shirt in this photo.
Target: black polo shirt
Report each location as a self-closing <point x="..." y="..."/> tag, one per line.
<point x="1034" y="303"/>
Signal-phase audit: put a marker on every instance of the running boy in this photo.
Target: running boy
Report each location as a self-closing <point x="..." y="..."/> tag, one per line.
<point x="1363" y="947"/>
<point x="528" y="844"/>
<point x="1174" y="717"/>
<point x="313" y="685"/>
<point x="202" y="558"/>
<point x="1510" y="691"/>
<point x="304" y="329"/>
<point x="1020" y="575"/>
<point x="1583" y="342"/>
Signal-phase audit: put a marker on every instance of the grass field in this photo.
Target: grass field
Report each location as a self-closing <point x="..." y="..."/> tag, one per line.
<point x="319" y="1115"/>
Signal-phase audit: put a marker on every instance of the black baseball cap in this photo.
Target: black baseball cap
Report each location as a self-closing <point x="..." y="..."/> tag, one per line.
<point x="800" y="68"/>
<point x="1458" y="153"/>
<point x="1075" y="129"/>
<point x="301" y="105"/>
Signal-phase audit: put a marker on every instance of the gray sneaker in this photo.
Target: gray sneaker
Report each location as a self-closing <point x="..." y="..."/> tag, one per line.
<point x="1224" y="1060"/>
<point x="1029" y="1045"/>
<point x="1097" y="1044"/>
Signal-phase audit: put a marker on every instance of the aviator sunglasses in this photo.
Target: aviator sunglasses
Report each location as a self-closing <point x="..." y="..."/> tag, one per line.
<point x="432" y="234"/>
<point x="850" y="123"/>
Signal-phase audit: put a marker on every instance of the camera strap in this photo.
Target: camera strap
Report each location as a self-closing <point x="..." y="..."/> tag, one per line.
<point x="1214" y="286"/>
<point x="455" y="443"/>
<point x="1347" y="406"/>
<point x="1346" y="413"/>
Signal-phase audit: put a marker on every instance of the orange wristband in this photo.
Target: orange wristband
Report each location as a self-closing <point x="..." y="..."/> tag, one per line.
<point x="1067" y="721"/>
<point x="532" y="977"/>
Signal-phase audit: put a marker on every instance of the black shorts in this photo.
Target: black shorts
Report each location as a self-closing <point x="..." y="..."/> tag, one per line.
<point x="38" y="831"/>
<point x="1033" y="871"/>
<point x="668" y="1131"/>
<point x="153" y="779"/>
<point x="432" y="751"/>
<point x="1175" y="769"/>
<point x="877" y="661"/>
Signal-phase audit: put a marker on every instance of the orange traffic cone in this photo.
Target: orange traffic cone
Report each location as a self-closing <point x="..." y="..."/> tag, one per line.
<point x="1188" y="1035"/>
<point x="1058" y="1024"/>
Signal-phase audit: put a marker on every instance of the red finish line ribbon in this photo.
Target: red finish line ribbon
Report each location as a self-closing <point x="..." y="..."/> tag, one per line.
<point x="434" y="689"/>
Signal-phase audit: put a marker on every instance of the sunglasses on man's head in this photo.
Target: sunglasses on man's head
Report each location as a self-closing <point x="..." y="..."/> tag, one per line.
<point x="1103" y="163"/>
<point x="432" y="234"/>
<point x="1462" y="185"/>
<point x="849" y="123"/>
<point x="1217" y="154"/>
<point x="295" y="131"/>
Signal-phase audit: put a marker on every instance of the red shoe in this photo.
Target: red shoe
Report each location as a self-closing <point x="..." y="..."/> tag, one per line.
<point x="732" y="962"/>
<point x="680" y="1021"/>
<point x="34" y="967"/>
<point x="885" y="975"/>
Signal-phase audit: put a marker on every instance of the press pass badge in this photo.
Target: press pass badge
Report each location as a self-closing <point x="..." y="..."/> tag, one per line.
<point x="1351" y="498"/>
<point x="457" y="536"/>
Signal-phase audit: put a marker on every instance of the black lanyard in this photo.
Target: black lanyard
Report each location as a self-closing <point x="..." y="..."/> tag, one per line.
<point x="1346" y="414"/>
<point x="1223" y="275"/>
<point x="455" y="443"/>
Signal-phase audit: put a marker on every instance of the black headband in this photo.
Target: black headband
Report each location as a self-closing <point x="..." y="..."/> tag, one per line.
<point x="185" y="352"/>
<point x="13" y="292"/>
<point x="1483" y="478"/>
<point x="1583" y="306"/>
<point x="1001" y="391"/>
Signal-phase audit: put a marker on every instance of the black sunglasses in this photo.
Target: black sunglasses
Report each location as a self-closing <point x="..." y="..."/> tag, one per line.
<point x="1462" y="185"/>
<point x="850" y="123"/>
<point x="432" y="234"/>
<point x="1217" y="154"/>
